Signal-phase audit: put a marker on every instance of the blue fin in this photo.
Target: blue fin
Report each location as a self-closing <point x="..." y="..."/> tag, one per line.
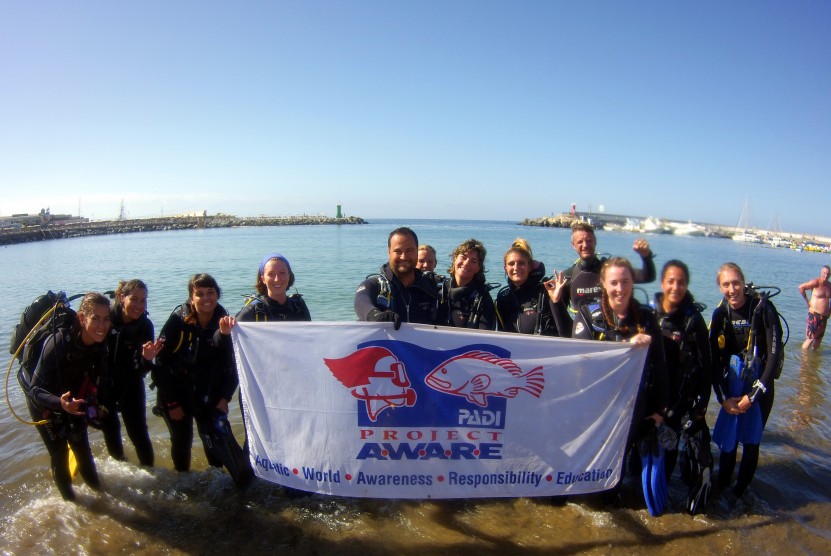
<point x="729" y="430"/>
<point x="658" y="482"/>
<point x="735" y="381"/>
<point x="724" y="431"/>
<point x="646" y="466"/>
<point x="653" y="474"/>
<point x="749" y="428"/>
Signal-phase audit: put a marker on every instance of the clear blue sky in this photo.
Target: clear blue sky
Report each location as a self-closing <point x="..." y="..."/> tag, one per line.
<point x="428" y="109"/>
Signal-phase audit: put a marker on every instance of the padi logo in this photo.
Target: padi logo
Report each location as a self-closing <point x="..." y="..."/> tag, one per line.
<point x="480" y="417"/>
<point x="420" y="403"/>
<point x="398" y="383"/>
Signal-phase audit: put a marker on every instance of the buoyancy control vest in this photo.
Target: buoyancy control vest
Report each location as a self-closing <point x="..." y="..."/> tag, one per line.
<point x="468" y="306"/>
<point x="743" y="332"/>
<point x="266" y="310"/>
<point x="525" y="309"/>
<point x="418" y="303"/>
<point x="687" y="354"/>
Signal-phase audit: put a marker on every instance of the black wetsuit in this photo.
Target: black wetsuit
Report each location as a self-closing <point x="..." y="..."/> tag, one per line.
<point x="689" y="367"/>
<point x="468" y="306"/>
<point x="729" y="332"/>
<point x="583" y="283"/>
<point x="263" y="309"/>
<point x="127" y="371"/>
<point x="525" y="309"/>
<point x="416" y="303"/>
<point x="193" y="373"/>
<point x="66" y="364"/>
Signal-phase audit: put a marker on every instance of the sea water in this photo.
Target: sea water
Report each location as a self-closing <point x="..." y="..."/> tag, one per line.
<point x="152" y="511"/>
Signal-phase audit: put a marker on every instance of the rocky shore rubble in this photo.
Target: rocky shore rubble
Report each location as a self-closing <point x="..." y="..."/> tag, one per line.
<point x="104" y="227"/>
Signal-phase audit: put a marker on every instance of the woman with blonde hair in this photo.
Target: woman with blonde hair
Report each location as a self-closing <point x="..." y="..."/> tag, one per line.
<point x="745" y="338"/>
<point x="522" y="306"/>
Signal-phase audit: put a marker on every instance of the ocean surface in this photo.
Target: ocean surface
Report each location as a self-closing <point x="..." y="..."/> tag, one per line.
<point x="159" y="511"/>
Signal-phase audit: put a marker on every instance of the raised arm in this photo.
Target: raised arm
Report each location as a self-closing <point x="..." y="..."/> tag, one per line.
<point x="647" y="272"/>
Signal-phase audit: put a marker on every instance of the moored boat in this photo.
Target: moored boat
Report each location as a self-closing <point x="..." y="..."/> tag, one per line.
<point x="747" y="237"/>
<point x="689" y="229"/>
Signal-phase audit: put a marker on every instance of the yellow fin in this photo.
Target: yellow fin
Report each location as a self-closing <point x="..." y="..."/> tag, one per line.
<point x="73" y="464"/>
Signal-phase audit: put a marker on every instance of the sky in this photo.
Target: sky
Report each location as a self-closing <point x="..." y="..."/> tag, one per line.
<point x="431" y="109"/>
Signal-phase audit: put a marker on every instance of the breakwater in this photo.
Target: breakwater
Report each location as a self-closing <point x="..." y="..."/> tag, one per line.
<point x="26" y="234"/>
<point x="639" y="224"/>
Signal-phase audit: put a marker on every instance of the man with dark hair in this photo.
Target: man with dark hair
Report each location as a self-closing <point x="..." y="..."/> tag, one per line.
<point x="400" y="292"/>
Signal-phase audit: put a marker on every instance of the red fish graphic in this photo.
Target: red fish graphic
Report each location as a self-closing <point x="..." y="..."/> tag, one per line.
<point x="376" y="376"/>
<point x="475" y="375"/>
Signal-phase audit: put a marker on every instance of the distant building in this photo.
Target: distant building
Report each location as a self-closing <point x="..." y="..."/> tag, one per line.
<point x="43" y="218"/>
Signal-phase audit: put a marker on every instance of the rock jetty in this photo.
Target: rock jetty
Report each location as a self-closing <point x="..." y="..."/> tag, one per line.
<point x="561" y="221"/>
<point x="26" y="234"/>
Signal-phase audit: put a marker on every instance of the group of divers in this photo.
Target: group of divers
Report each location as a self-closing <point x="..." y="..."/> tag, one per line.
<point x="94" y="368"/>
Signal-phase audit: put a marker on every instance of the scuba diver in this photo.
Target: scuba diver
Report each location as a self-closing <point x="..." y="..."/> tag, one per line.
<point x="687" y="351"/>
<point x="271" y="304"/>
<point x="426" y="258"/>
<point x="131" y="352"/>
<point x="618" y="317"/>
<point x="522" y="305"/>
<point x="68" y="390"/>
<point x="746" y="343"/>
<point x="583" y="278"/>
<point x="465" y="296"/>
<point x="400" y="292"/>
<point x="196" y="379"/>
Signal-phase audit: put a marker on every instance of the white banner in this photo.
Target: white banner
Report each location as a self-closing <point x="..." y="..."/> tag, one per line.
<point x="358" y="409"/>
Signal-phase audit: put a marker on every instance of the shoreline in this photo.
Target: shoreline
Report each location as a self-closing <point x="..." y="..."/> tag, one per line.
<point x="12" y="236"/>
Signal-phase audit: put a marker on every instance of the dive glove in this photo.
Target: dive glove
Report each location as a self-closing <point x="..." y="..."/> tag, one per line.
<point x="385" y="316"/>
